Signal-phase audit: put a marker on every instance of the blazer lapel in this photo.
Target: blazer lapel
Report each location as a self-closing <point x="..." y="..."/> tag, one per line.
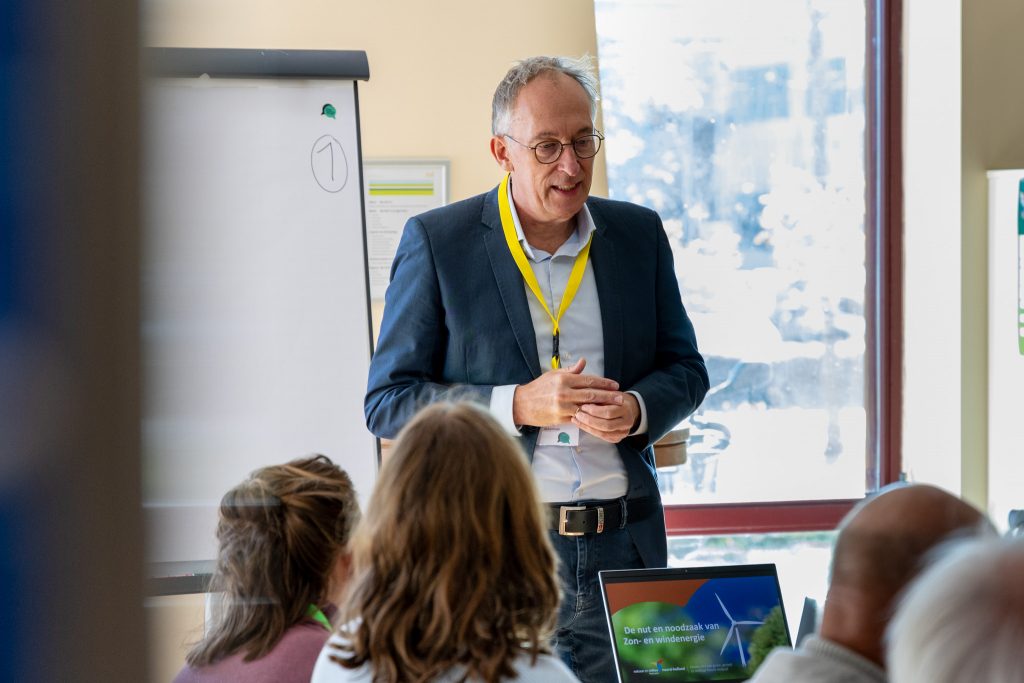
<point x="606" y="275"/>
<point x="510" y="284"/>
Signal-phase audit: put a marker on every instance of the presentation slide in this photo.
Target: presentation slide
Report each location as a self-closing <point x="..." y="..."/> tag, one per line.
<point x="695" y="629"/>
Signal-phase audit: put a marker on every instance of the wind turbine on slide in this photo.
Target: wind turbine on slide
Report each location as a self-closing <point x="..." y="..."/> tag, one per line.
<point x="732" y="629"/>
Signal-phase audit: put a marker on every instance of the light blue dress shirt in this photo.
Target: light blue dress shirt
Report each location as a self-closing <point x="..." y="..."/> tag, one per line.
<point x="593" y="470"/>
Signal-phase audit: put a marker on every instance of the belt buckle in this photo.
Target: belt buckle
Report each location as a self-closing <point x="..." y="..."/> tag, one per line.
<point x="562" y="519"/>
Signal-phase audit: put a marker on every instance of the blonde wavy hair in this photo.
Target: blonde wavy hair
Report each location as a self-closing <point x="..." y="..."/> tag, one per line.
<point x="452" y="564"/>
<point x="280" y="533"/>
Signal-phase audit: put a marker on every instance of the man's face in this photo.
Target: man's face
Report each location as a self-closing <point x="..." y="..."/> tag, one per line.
<point x="552" y="106"/>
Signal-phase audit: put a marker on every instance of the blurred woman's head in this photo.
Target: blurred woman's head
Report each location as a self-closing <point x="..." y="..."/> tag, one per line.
<point x="282" y="536"/>
<point x="451" y="564"/>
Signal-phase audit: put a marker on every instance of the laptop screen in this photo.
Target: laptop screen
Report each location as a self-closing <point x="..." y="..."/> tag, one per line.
<point x="693" y="624"/>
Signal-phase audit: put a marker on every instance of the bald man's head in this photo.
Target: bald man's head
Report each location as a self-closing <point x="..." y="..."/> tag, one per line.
<point x="881" y="546"/>
<point x="884" y="539"/>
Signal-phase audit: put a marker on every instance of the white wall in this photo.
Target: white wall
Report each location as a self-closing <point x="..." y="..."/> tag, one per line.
<point x="992" y="138"/>
<point x="932" y="286"/>
<point x="964" y="108"/>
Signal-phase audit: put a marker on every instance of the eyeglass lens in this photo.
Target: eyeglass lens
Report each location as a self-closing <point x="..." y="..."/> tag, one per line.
<point x="585" y="147"/>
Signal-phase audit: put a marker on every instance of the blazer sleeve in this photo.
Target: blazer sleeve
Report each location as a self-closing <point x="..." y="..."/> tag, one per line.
<point x="678" y="380"/>
<point x="407" y="368"/>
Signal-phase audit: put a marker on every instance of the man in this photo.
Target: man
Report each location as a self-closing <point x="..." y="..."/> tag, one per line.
<point x="963" y="618"/>
<point x="562" y="313"/>
<point x="881" y="545"/>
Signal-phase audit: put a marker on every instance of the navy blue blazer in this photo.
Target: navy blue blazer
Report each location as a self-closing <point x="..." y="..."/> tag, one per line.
<point x="457" y="323"/>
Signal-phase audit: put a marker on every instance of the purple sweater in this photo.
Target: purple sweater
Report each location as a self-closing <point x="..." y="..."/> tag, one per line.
<point x="290" y="661"/>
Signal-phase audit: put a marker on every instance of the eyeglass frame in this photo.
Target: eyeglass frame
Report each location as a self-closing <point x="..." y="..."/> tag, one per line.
<point x="572" y="143"/>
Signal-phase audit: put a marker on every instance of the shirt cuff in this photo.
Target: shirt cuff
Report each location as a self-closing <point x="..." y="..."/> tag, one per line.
<point x="501" y="407"/>
<point x="642" y="427"/>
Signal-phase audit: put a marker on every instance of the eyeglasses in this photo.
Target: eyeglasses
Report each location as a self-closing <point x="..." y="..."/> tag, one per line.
<point x="548" y="151"/>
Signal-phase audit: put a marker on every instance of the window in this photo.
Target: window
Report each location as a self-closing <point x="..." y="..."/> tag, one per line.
<point x="759" y="93"/>
<point x="802" y="559"/>
<point x="754" y="129"/>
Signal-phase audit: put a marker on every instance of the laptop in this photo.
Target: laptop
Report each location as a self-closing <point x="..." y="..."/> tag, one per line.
<point x="693" y="623"/>
<point x="808" y="620"/>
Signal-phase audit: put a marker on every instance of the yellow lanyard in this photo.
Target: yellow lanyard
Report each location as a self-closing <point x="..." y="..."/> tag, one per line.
<point x="575" y="277"/>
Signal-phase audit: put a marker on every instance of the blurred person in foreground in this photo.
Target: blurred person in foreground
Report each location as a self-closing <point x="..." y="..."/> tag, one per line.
<point x="454" y="578"/>
<point x="963" y="619"/>
<point x="282" y="562"/>
<point x="881" y="546"/>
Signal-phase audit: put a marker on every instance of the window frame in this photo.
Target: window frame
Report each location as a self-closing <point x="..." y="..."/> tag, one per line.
<point x="883" y="307"/>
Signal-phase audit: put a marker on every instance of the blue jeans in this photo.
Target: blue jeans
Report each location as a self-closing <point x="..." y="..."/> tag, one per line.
<point x="582" y="637"/>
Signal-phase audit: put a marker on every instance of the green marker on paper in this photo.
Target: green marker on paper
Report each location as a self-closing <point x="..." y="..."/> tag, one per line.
<point x="1020" y="267"/>
<point x="563" y="437"/>
<point x="328" y="110"/>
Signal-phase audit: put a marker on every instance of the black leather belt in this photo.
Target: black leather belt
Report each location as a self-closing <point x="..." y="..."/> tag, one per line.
<point x="597" y="517"/>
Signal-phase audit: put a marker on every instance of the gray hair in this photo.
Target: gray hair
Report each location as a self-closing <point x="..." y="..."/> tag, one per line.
<point x="581" y="70"/>
<point x="963" y="620"/>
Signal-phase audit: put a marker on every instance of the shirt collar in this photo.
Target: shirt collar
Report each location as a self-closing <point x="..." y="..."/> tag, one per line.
<point x="833" y="650"/>
<point x="572" y="246"/>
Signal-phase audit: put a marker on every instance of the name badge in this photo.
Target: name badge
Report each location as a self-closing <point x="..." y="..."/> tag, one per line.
<point x="562" y="435"/>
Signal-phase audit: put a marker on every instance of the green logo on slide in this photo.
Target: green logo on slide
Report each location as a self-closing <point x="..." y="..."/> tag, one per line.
<point x="328" y="110"/>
